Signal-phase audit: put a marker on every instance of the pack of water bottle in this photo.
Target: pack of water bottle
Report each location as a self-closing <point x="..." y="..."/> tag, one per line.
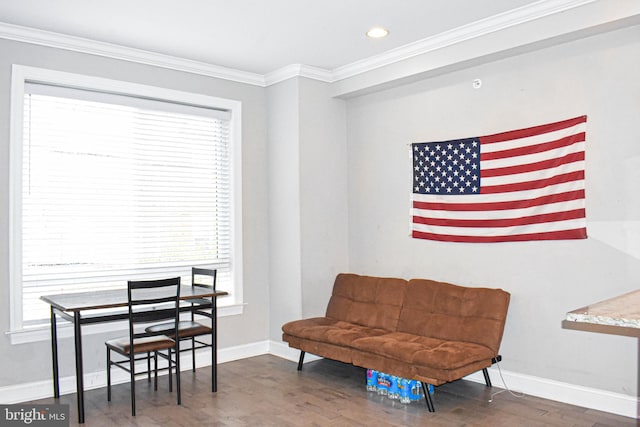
<point x="394" y="387"/>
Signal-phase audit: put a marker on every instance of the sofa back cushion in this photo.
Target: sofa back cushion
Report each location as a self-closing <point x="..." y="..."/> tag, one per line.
<point x="449" y="312"/>
<point x="368" y="301"/>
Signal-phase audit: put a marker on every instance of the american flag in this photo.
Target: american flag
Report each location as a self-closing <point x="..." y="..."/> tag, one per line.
<point x="525" y="184"/>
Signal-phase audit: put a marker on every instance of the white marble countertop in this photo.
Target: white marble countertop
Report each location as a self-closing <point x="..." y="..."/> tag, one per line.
<point x="622" y="311"/>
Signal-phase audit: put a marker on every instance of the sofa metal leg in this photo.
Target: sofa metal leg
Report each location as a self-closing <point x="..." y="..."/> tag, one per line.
<point x="427" y="398"/>
<point x="301" y="360"/>
<point x="485" y="372"/>
<point x="487" y="380"/>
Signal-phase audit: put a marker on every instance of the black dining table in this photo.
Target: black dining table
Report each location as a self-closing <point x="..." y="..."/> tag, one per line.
<point x="85" y="308"/>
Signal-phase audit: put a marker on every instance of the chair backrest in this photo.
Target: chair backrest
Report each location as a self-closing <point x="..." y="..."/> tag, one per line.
<point x="197" y="273"/>
<point x="152" y="301"/>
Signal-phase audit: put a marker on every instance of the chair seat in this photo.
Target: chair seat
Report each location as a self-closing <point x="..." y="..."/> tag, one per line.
<point x="185" y="329"/>
<point x="141" y="345"/>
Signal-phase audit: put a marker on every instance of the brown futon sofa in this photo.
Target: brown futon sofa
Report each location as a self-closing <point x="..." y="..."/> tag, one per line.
<point x="419" y="329"/>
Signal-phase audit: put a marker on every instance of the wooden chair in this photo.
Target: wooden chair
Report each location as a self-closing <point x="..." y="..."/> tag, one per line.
<point x="192" y="329"/>
<point x="149" y="301"/>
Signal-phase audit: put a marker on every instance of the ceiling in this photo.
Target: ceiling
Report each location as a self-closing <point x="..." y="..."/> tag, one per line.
<point x="256" y="36"/>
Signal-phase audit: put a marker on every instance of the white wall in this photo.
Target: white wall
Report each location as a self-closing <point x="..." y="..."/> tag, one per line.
<point x="546" y="279"/>
<point x="323" y="192"/>
<point x="285" y="270"/>
<point x="307" y="198"/>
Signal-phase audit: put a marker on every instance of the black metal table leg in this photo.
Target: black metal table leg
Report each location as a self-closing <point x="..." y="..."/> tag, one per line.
<point x="79" y="370"/>
<point x="54" y="354"/>
<point x="214" y="345"/>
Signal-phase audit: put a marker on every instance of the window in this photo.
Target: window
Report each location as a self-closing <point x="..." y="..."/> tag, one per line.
<point x="113" y="181"/>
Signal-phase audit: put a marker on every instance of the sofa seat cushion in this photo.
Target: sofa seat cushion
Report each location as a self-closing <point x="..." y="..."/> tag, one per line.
<point x="331" y="331"/>
<point x="424" y="351"/>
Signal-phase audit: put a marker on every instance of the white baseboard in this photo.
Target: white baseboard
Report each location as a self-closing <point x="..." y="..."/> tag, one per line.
<point x="282" y="350"/>
<point x="601" y="400"/>
<point x="44" y="389"/>
<point x="586" y="397"/>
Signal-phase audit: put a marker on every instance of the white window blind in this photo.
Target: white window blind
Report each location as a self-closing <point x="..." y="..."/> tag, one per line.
<point x="117" y="188"/>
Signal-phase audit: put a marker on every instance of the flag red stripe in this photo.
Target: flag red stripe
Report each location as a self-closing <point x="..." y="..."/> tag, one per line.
<point x="535" y="130"/>
<point x="579" y="233"/>
<point x="532" y="167"/>
<point x="506" y="222"/>
<point x="500" y="206"/>
<point x="532" y="149"/>
<point x="532" y="185"/>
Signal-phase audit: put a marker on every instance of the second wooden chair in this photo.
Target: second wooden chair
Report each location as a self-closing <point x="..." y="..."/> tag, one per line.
<point x="193" y="329"/>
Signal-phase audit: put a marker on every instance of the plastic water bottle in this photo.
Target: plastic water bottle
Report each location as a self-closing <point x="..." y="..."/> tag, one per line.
<point x="394" y="391"/>
<point x="416" y="390"/>
<point x="405" y="390"/>
<point x="383" y="384"/>
<point x="372" y="380"/>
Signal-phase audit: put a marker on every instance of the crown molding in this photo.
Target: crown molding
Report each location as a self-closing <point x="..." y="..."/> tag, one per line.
<point x="474" y="30"/>
<point x="477" y="29"/>
<point x="298" y="70"/>
<point x="82" y="45"/>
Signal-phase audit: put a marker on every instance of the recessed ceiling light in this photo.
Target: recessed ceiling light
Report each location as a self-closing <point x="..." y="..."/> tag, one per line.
<point x="377" y="32"/>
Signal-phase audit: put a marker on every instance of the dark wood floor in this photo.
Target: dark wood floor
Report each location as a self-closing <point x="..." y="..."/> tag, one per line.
<point x="268" y="391"/>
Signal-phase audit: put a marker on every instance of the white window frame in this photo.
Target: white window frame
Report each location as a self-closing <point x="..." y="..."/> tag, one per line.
<point x="21" y="75"/>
